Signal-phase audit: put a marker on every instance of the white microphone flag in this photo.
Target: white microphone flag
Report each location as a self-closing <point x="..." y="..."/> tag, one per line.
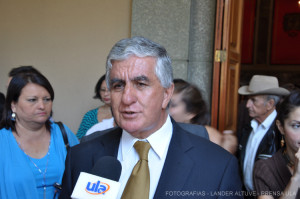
<point x="90" y="186"/>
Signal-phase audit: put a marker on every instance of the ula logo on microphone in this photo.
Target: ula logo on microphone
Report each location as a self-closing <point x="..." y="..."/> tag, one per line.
<point x="97" y="188"/>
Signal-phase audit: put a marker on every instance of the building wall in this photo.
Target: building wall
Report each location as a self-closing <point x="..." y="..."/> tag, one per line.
<point x="186" y="29"/>
<point x="68" y="41"/>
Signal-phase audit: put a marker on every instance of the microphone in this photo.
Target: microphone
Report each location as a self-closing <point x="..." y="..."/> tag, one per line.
<point x="101" y="183"/>
<point x="107" y="167"/>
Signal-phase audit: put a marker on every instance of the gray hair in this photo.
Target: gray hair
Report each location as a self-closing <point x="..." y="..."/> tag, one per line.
<point x="142" y="47"/>
<point x="276" y="98"/>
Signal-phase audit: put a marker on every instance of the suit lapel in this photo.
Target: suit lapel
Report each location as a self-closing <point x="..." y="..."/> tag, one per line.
<point x="110" y="144"/>
<point x="177" y="164"/>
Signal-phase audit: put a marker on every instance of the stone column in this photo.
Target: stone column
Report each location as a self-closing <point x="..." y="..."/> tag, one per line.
<point x="201" y="45"/>
<point x="186" y="29"/>
<point x="166" y="22"/>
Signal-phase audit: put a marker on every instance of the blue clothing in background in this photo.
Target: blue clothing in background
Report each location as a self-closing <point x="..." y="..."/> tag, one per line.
<point x="19" y="178"/>
<point x="88" y="120"/>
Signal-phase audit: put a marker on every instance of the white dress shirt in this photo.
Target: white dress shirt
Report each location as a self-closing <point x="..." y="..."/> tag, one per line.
<point x="105" y="124"/>
<point x="256" y="136"/>
<point x="128" y="156"/>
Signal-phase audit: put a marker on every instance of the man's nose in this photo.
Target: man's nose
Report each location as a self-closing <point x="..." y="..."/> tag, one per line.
<point x="129" y="95"/>
<point x="249" y="103"/>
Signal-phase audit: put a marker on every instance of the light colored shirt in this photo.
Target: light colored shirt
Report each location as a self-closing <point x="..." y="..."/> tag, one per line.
<point x="105" y="124"/>
<point x="256" y="136"/>
<point x="128" y="156"/>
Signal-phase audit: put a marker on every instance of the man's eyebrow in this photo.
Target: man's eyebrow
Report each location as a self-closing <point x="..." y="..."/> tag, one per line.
<point x="136" y="79"/>
<point x="116" y="80"/>
<point x="141" y="78"/>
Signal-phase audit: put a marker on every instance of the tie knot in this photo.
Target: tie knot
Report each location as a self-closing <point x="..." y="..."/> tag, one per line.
<point x="142" y="148"/>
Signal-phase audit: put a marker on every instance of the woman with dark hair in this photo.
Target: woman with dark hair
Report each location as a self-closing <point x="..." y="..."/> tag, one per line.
<point x="19" y="70"/>
<point x="32" y="147"/>
<point x="279" y="176"/>
<point x="188" y="106"/>
<point x="99" y="114"/>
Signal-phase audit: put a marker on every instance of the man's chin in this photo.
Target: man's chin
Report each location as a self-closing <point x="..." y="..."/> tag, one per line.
<point x="136" y="132"/>
<point x="130" y="128"/>
<point x="251" y="114"/>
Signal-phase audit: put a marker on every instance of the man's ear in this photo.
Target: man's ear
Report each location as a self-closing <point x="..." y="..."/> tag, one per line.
<point x="270" y="104"/>
<point x="168" y="92"/>
<point x="280" y="127"/>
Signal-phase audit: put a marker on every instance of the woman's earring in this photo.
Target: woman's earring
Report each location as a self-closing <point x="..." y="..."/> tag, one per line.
<point x="13" y="116"/>
<point x="282" y="142"/>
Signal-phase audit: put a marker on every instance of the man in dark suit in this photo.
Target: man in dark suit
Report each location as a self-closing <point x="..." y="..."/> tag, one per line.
<point x="180" y="164"/>
<point x="191" y="128"/>
<point x="259" y="139"/>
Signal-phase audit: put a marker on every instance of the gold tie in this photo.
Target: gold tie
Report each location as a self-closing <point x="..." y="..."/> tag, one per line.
<point x="138" y="185"/>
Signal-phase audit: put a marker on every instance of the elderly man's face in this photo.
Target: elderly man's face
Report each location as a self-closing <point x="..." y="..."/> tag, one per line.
<point x="259" y="108"/>
<point x="138" y="100"/>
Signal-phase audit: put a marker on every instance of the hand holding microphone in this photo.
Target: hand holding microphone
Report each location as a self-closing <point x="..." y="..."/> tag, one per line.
<point x="101" y="183"/>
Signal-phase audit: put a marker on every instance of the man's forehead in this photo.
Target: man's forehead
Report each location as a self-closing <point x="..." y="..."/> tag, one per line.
<point x="256" y="96"/>
<point x="133" y="72"/>
<point x="130" y="78"/>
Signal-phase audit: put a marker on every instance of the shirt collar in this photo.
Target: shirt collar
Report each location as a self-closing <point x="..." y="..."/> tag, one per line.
<point x="158" y="140"/>
<point x="269" y="120"/>
<point x="266" y="124"/>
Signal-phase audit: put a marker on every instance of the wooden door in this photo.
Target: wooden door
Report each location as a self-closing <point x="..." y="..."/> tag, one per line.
<point x="226" y="70"/>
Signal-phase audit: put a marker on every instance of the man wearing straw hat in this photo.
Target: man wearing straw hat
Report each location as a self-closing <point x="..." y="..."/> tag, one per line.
<point x="258" y="140"/>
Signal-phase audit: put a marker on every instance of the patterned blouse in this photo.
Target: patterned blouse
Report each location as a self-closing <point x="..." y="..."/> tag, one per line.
<point x="88" y="120"/>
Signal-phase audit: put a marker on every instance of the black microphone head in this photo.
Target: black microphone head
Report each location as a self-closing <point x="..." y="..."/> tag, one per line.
<point x="108" y="167"/>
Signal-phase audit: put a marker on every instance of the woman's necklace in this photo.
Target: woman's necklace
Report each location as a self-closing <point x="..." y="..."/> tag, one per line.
<point x="43" y="173"/>
<point x="287" y="159"/>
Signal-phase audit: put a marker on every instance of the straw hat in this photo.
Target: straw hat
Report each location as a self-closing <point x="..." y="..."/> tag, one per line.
<point x="263" y="85"/>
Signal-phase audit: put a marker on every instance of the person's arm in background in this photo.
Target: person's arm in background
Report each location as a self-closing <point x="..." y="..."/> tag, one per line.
<point x="293" y="186"/>
<point x="229" y="141"/>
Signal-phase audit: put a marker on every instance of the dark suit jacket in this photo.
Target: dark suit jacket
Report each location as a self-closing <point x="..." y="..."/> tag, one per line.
<point x="193" y="166"/>
<point x="267" y="147"/>
<point x="191" y="128"/>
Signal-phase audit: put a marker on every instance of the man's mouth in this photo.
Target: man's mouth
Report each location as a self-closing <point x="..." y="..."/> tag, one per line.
<point x="129" y="114"/>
